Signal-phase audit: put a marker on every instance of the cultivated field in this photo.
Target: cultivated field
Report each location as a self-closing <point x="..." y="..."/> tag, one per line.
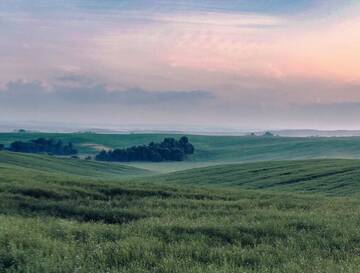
<point x="211" y="150"/>
<point x="71" y="215"/>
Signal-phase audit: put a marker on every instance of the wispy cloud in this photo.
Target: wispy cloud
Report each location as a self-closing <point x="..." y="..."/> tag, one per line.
<point x="255" y="59"/>
<point x="79" y="90"/>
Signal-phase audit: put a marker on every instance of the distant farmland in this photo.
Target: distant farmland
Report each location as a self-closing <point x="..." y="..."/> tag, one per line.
<point x="211" y="150"/>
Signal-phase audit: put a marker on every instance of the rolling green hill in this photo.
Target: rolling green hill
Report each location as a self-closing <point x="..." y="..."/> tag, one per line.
<point x="215" y="148"/>
<point x="62" y="215"/>
<point x="18" y="165"/>
<point x="328" y="176"/>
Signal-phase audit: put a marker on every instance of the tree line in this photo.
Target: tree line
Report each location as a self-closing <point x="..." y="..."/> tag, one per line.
<point x="41" y="145"/>
<point x="169" y="149"/>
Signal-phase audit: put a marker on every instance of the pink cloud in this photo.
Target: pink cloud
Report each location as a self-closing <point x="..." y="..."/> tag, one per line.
<point x="308" y="51"/>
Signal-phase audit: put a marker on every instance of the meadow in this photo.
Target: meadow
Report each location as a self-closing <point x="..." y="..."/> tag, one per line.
<point x="70" y="215"/>
<point x="332" y="177"/>
<point x="210" y="150"/>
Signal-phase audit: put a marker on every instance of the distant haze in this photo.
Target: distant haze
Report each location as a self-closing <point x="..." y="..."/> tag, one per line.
<point x="53" y="127"/>
<point x="205" y="65"/>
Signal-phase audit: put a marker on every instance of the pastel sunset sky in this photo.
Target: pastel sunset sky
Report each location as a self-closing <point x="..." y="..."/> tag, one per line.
<point x="265" y="64"/>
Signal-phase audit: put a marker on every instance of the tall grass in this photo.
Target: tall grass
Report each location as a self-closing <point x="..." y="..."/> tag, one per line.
<point x="63" y="215"/>
<point x="90" y="226"/>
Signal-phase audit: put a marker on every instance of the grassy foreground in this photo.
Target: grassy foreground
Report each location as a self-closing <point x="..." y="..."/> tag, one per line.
<point x="83" y="223"/>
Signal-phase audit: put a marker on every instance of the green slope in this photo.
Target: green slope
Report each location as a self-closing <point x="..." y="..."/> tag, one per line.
<point x="78" y="224"/>
<point x="68" y="215"/>
<point x="23" y="165"/>
<point x="332" y="176"/>
<point x="216" y="148"/>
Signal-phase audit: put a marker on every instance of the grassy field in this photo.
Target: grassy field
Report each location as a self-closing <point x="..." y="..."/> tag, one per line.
<point x="19" y="166"/>
<point x="339" y="177"/>
<point x="67" y="215"/>
<point x="212" y="150"/>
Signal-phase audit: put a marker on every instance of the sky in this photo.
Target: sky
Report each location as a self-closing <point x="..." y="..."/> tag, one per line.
<point x="240" y="64"/>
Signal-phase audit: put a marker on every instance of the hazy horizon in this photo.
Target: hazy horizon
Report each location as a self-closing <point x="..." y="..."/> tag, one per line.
<point x="66" y="127"/>
<point x="235" y="65"/>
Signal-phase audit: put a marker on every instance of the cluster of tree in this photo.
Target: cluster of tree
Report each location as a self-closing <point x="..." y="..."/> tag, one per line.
<point x="2" y="147"/>
<point x="265" y="134"/>
<point x="42" y="145"/>
<point x="169" y="149"/>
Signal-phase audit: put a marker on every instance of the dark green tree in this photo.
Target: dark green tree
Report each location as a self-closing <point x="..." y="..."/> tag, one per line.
<point x="169" y="149"/>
